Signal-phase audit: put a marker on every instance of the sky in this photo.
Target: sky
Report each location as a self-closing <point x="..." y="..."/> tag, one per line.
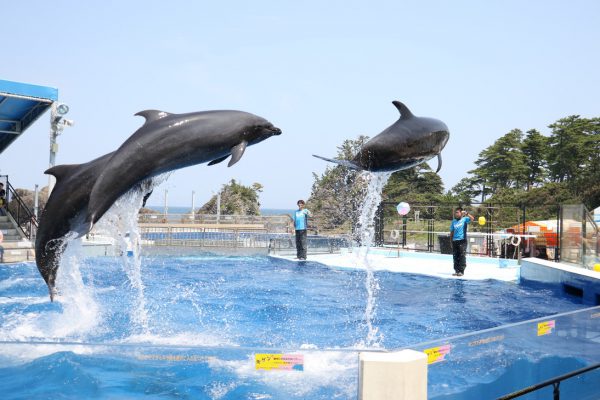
<point x="322" y="71"/>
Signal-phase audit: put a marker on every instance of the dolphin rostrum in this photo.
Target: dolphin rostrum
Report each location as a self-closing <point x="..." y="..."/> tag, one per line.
<point x="406" y="143"/>
<point x="166" y="142"/>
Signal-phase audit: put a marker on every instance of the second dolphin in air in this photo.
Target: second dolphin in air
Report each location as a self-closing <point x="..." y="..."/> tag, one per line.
<point x="408" y="142"/>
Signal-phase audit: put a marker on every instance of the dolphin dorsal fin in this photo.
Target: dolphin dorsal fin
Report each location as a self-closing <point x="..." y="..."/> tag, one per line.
<point x="152" y="115"/>
<point x="404" y="111"/>
<point x="60" y="171"/>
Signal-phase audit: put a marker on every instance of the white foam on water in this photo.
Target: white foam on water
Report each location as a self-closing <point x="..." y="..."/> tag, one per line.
<point x="77" y="315"/>
<point x="218" y="390"/>
<point x="26" y="300"/>
<point x="18" y="353"/>
<point x="366" y="231"/>
<point x="10" y="282"/>
<point x="183" y="339"/>
<point x="321" y="369"/>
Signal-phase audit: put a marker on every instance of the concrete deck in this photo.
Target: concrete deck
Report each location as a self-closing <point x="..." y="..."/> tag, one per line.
<point x="438" y="265"/>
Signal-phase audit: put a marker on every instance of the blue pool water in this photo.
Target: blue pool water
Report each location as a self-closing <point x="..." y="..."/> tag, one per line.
<point x="194" y="330"/>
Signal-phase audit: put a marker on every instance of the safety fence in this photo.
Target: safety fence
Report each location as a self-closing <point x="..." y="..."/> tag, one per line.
<point x="486" y="364"/>
<point x="232" y="236"/>
<point x="499" y="230"/>
<point x="580" y="241"/>
<point x="235" y="236"/>
<point x="495" y="362"/>
<point x="132" y="370"/>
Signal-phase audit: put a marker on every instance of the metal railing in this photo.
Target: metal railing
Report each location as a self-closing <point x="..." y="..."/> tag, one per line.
<point x="555" y="382"/>
<point x="198" y="236"/>
<point x="23" y="215"/>
<point x="426" y="229"/>
<point x="272" y="223"/>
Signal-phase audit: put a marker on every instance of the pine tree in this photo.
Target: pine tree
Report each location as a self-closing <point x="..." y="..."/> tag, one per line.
<point x="535" y="148"/>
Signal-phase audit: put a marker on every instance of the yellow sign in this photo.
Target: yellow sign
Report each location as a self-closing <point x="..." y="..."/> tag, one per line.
<point x="283" y="362"/>
<point x="437" y="354"/>
<point x="545" y="328"/>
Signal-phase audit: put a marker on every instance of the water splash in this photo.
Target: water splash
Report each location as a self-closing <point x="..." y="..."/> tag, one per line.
<point x="81" y="312"/>
<point x="120" y="223"/>
<point x="365" y="231"/>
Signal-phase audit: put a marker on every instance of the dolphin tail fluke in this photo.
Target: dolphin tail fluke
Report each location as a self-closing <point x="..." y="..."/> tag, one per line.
<point x="439" y="167"/>
<point x="344" y="163"/>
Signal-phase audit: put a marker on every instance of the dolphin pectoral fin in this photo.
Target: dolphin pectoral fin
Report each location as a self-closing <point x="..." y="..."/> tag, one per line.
<point x="237" y="152"/>
<point x="439" y="157"/>
<point x="344" y="163"/>
<point x="145" y="199"/>
<point x="218" y="160"/>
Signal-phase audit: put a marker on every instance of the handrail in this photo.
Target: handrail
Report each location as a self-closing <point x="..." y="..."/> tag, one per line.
<point x="554" y="381"/>
<point x="22" y="215"/>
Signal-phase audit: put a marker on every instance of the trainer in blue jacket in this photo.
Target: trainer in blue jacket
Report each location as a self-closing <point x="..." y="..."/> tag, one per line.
<point x="300" y="218"/>
<point x="458" y="235"/>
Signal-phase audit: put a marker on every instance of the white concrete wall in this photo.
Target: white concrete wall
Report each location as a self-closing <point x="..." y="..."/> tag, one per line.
<point x="400" y="375"/>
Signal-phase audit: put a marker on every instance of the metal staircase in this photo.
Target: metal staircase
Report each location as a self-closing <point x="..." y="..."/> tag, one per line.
<point x="18" y="225"/>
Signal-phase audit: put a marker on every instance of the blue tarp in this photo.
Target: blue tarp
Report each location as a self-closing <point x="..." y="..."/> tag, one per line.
<point x="21" y="104"/>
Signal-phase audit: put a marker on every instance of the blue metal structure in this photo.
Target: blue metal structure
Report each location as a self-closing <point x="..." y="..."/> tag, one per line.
<point x="21" y="104"/>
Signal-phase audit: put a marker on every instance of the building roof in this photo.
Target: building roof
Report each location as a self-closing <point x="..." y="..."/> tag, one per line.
<point x="21" y="104"/>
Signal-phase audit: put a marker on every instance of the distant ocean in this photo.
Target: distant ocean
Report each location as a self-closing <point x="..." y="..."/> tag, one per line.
<point x="186" y="210"/>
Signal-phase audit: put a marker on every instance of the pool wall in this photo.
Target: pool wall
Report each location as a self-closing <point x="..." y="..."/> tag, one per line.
<point x="575" y="281"/>
<point x="495" y="362"/>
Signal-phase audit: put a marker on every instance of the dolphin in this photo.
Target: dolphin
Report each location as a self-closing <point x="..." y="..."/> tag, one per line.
<point x="165" y="142"/>
<point x="62" y="211"/>
<point x="171" y="141"/>
<point x="408" y="142"/>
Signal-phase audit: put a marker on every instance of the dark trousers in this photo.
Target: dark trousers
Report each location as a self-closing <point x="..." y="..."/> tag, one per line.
<point x="459" y="254"/>
<point x="301" y="244"/>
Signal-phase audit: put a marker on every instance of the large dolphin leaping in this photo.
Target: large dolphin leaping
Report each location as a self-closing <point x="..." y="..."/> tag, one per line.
<point x="166" y="142"/>
<point x="408" y="142"/>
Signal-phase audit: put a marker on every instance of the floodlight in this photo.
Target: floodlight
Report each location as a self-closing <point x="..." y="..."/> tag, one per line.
<point x="62" y="109"/>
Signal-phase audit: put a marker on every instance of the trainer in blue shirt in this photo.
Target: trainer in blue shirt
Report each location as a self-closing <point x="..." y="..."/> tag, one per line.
<point x="458" y="235"/>
<point x="300" y="218"/>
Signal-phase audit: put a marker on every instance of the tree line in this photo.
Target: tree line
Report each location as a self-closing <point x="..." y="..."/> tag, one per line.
<point x="533" y="169"/>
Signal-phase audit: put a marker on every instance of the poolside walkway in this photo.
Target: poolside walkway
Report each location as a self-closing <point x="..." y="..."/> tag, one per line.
<point x="438" y="265"/>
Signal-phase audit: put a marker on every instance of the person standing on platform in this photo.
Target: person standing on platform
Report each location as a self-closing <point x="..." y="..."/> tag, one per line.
<point x="300" y="218"/>
<point x="458" y="235"/>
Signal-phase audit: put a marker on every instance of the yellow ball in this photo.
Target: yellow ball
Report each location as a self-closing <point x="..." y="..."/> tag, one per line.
<point x="597" y="267"/>
<point x="481" y="220"/>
